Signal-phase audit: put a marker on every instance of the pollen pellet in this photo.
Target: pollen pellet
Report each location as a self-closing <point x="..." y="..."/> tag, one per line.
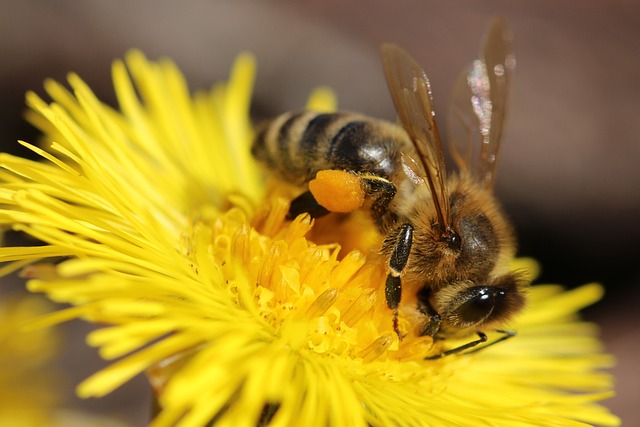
<point x="337" y="191"/>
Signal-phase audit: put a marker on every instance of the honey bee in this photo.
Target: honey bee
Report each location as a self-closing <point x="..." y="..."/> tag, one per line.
<point x="445" y="238"/>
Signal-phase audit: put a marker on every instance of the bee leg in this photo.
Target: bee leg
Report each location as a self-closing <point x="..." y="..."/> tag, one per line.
<point x="381" y="192"/>
<point x="399" y="258"/>
<point x="482" y="337"/>
<point x="306" y="203"/>
<point x="342" y="191"/>
<point x="506" y="334"/>
<point x="432" y="327"/>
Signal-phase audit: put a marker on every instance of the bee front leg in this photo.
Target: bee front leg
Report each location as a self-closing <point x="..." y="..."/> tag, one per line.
<point x="397" y="262"/>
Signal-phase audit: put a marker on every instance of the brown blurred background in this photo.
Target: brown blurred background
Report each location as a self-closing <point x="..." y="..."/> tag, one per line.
<point x="570" y="169"/>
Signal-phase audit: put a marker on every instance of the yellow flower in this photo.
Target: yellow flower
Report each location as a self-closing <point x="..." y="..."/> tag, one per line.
<point x="171" y="240"/>
<point x="27" y="394"/>
<point x="31" y="384"/>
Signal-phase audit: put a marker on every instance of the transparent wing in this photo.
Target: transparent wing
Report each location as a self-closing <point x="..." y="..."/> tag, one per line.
<point x="479" y="105"/>
<point x="499" y="67"/>
<point x="463" y="125"/>
<point x="411" y="93"/>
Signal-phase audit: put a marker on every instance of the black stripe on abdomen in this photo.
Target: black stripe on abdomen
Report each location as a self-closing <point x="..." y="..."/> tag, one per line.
<point x="285" y="142"/>
<point x="346" y="144"/>
<point x="361" y="146"/>
<point x="314" y="138"/>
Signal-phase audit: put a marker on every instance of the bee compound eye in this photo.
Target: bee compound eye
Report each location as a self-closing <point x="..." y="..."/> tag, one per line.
<point x="479" y="303"/>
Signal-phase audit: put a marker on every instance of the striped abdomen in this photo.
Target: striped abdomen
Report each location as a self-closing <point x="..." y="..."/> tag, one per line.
<point x="298" y="145"/>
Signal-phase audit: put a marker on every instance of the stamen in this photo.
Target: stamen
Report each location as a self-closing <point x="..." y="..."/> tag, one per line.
<point x="362" y="304"/>
<point x="321" y="304"/>
<point x="376" y="348"/>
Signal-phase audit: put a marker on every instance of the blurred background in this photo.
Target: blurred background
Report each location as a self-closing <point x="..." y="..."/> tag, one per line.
<point x="570" y="169"/>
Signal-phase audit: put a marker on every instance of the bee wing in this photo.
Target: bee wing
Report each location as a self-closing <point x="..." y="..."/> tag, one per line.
<point x="461" y="123"/>
<point x="411" y="93"/>
<point x="479" y="105"/>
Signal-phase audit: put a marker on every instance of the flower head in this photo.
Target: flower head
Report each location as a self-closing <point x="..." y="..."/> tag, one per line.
<point x="170" y="239"/>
